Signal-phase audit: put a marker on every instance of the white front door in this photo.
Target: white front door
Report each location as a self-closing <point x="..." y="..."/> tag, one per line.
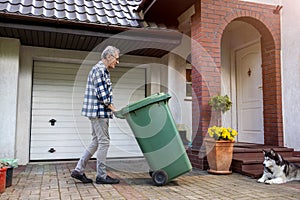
<point x="249" y="95"/>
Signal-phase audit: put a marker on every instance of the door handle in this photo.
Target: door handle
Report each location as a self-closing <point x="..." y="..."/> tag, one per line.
<point x="52" y="122"/>
<point x="51" y="150"/>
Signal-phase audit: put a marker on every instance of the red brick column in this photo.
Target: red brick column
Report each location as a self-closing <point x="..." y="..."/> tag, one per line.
<point x="210" y="19"/>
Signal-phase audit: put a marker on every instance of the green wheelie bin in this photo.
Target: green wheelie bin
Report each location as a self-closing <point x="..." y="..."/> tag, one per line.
<point x="155" y="131"/>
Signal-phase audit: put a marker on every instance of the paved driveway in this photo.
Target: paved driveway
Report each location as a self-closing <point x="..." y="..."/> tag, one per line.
<point x="53" y="181"/>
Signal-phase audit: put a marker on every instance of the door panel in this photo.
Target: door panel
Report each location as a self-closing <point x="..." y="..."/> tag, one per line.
<point x="58" y="90"/>
<point x="249" y="94"/>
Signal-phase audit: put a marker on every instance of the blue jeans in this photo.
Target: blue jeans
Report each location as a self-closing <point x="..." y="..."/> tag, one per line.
<point x="100" y="143"/>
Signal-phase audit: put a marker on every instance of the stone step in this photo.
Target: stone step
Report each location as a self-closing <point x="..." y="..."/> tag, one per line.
<point x="248" y="158"/>
<point x="240" y="153"/>
<point x="260" y="160"/>
<point x="247" y="166"/>
<point x="253" y="173"/>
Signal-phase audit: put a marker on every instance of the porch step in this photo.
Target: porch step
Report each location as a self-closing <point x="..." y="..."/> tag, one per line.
<point x="254" y="173"/>
<point x="248" y="158"/>
<point x="250" y="163"/>
<point x="253" y="151"/>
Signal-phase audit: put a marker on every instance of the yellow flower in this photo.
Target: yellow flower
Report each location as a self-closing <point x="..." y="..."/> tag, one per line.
<point x="222" y="133"/>
<point x="234" y="133"/>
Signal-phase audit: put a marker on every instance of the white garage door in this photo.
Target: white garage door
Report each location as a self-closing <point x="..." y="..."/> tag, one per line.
<point x="58" y="131"/>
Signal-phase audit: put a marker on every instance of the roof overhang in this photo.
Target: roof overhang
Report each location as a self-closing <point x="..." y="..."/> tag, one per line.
<point x="62" y="34"/>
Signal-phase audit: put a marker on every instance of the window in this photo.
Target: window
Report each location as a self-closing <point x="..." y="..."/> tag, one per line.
<point x="188" y="74"/>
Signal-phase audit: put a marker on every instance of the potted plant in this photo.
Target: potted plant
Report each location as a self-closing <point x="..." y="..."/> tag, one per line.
<point x="3" y="176"/>
<point x="9" y="164"/>
<point x="220" y="140"/>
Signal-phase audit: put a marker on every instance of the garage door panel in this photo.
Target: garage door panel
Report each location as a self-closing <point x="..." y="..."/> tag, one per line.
<point x="121" y="92"/>
<point x="57" y="136"/>
<point x="118" y="152"/>
<point x="58" y="143"/>
<point x="42" y="70"/>
<point x="60" y="123"/>
<point x="58" y="91"/>
<point x="58" y="149"/>
<point x="117" y="147"/>
<point x="56" y="65"/>
<point x="47" y="94"/>
<point x="67" y="77"/>
<point x="43" y="154"/>
<point x="54" y="99"/>
<point x="55" y="112"/>
<point x="46" y="82"/>
<point x="72" y="143"/>
<point x="77" y="141"/>
<point x="53" y="88"/>
<point x="122" y="137"/>
<point x="119" y="128"/>
<point x="58" y="130"/>
<point x="46" y="118"/>
<point x="51" y="106"/>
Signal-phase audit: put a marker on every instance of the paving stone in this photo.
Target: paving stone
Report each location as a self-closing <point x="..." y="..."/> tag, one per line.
<point x="53" y="181"/>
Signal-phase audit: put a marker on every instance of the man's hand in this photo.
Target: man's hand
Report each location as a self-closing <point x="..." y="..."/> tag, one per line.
<point x="118" y="114"/>
<point x="112" y="107"/>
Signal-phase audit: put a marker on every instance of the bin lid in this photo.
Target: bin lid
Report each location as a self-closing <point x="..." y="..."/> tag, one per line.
<point x="144" y="102"/>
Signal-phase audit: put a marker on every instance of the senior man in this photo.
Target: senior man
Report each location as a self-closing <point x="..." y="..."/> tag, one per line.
<point x="98" y="107"/>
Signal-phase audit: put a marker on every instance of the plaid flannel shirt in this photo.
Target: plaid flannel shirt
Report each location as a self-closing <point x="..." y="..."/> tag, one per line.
<point x="98" y="93"/>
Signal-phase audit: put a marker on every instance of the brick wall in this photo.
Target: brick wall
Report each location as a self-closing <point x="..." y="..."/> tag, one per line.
<point x="210" y="19"/>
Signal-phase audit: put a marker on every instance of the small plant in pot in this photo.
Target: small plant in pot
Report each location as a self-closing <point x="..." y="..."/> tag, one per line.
<point x="219" y="144"/>
<point x="220" y="103"/>
<point x="4" y="164"/>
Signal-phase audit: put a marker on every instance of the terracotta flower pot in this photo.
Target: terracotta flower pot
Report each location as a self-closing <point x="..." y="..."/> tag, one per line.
<point x="219" y="155"/>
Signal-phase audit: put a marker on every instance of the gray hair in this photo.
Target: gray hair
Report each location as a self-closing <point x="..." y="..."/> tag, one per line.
<point x="109" y="50"/>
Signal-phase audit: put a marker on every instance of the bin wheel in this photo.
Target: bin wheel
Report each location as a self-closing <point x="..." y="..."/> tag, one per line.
<point x="160" y="177"/>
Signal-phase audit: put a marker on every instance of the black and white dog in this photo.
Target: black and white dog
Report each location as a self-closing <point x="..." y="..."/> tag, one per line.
<point x="277" y="170"/>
